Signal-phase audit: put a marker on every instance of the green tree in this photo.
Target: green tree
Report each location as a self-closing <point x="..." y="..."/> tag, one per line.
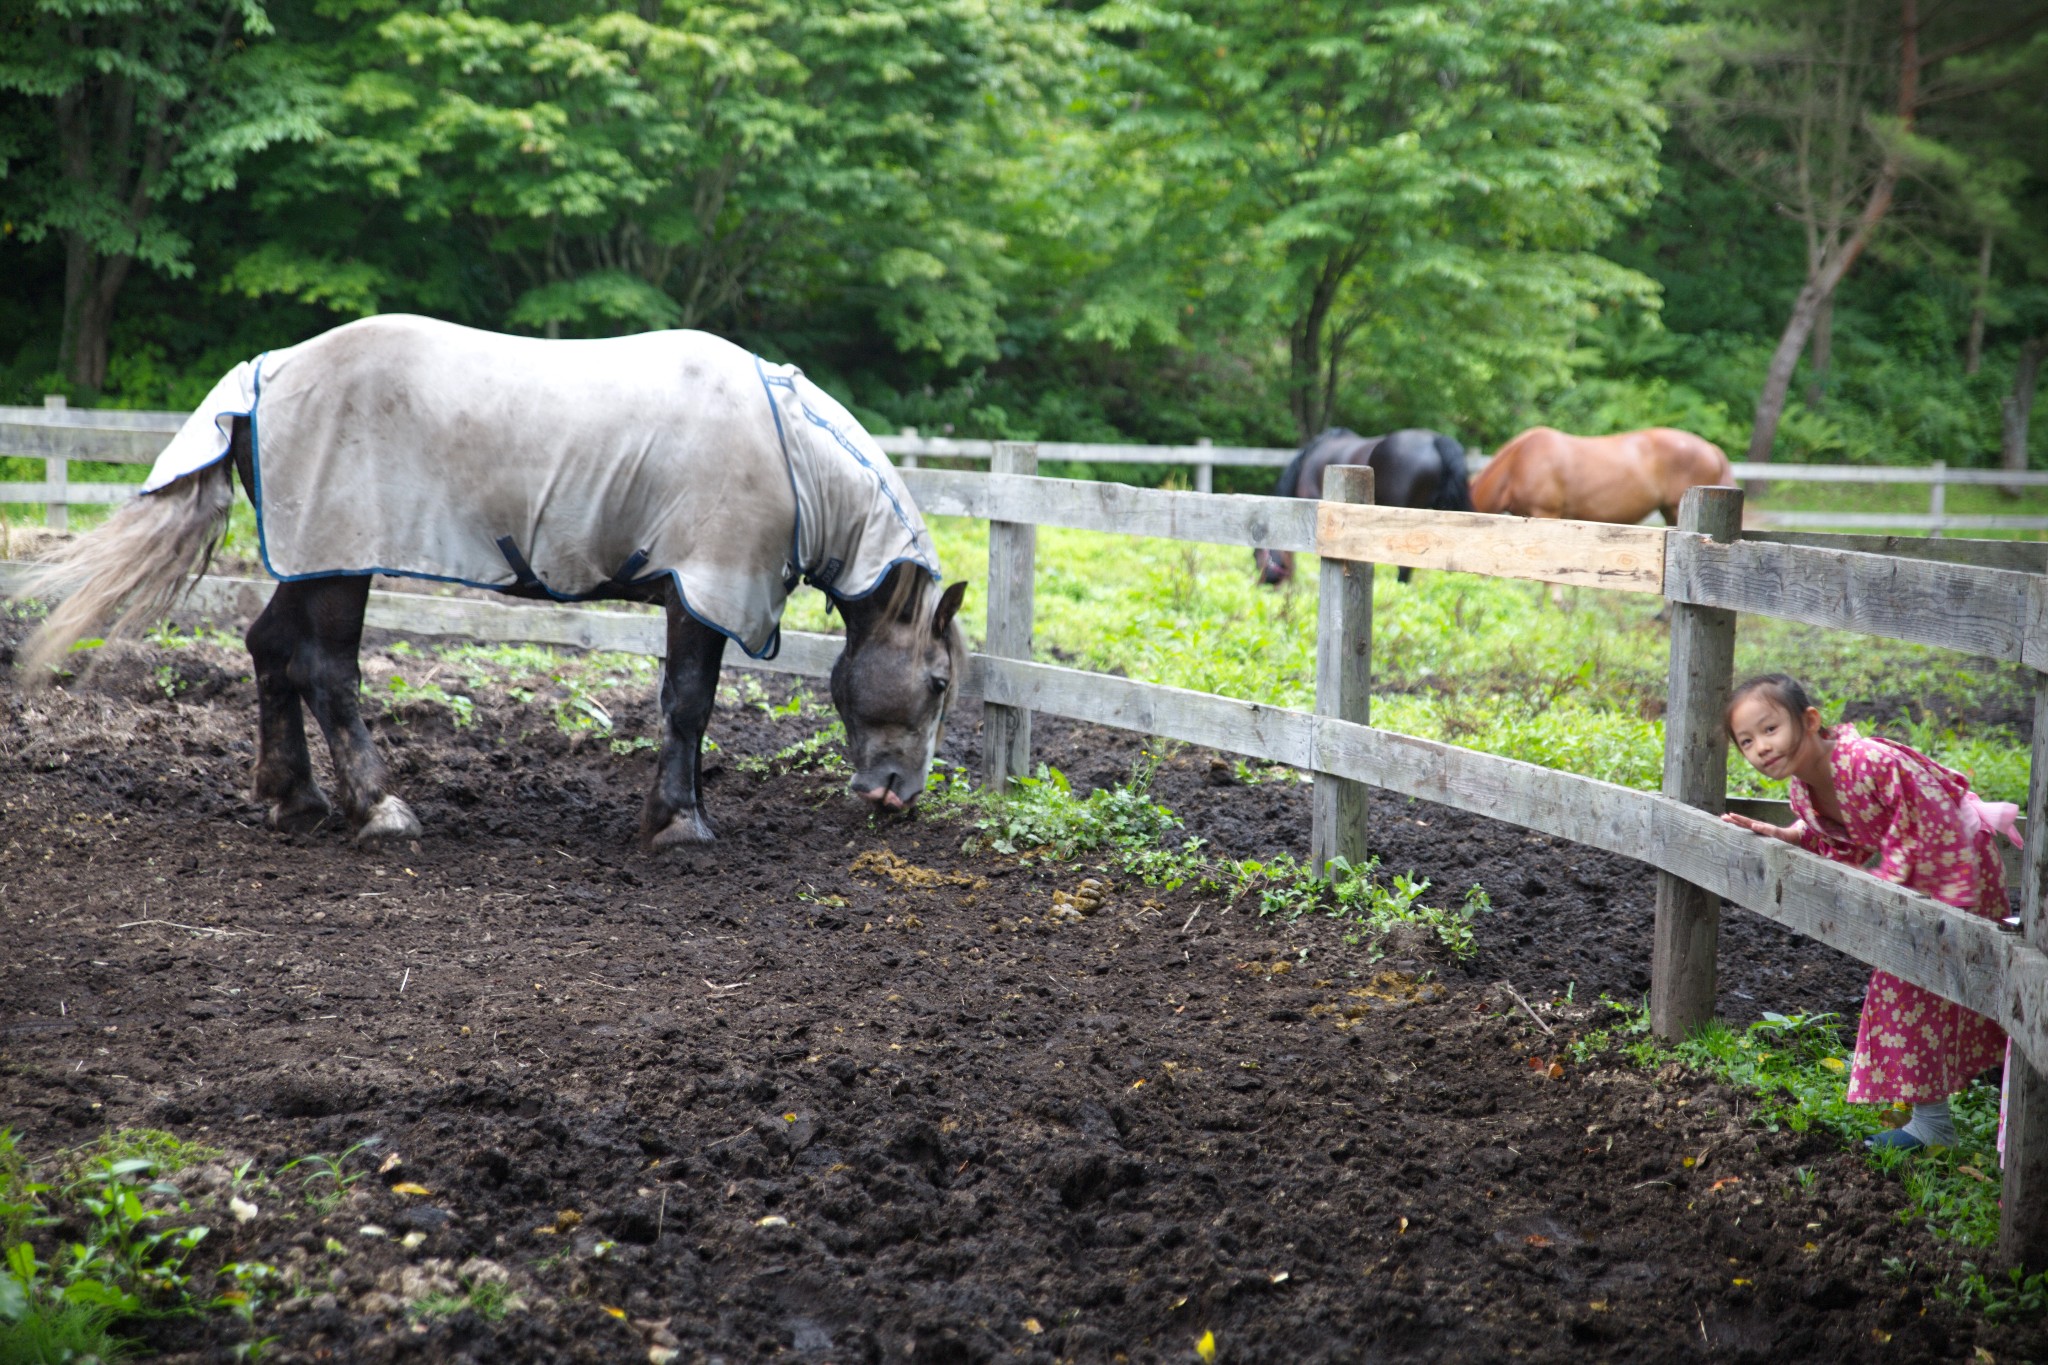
<point x="1409" y="193"/>
<point x="1820" y="105"/>
<point x="599" y="170"/>
<point x="111" y="111"/>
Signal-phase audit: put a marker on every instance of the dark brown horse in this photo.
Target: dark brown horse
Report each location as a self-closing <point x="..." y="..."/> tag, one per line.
<point x="1546" y="473"/>
<point x="1410" y="468"/>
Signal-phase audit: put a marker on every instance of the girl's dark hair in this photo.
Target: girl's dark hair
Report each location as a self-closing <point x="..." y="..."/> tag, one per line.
<point x="1779" y="688"/>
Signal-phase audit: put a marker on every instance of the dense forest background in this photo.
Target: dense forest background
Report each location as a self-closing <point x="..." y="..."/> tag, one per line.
<point x="1808" y="229"/>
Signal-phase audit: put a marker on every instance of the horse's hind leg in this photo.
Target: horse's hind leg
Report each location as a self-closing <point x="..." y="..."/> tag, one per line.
<point x="674" y="813"/>
<point x="284" y="783"/>
<point x="329" y="676"/>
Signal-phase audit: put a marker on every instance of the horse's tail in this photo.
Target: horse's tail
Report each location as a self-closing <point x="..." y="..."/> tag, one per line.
<point x="132" y="567"/>
<point x="1453" y="490"/>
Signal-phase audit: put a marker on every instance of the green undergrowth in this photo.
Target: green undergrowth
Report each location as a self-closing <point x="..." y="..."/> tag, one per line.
<point x="1122" y="829"/>
<point x="1796" y="1068"/>
<point x="98" y="1240"/>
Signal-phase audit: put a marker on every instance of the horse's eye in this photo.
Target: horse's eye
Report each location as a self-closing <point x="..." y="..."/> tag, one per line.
<point x="938" y="685"/>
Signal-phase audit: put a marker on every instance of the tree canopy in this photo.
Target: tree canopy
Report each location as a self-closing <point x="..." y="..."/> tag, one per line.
<point x="1126" y="220"/>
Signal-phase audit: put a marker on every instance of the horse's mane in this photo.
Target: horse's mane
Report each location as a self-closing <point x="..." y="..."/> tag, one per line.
<point x="1453" y="491"/>
<point x="910" y="598"/>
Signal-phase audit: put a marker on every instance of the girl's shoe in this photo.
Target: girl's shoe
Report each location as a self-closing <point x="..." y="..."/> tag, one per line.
<point x="1896" y="1139"/>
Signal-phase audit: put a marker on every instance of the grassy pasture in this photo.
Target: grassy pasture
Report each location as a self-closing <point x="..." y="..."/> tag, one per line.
<point x="1486" y="663"/>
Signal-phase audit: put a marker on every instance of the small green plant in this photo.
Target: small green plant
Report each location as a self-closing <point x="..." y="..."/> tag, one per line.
<point x="327" y="1180"/>
<point x="579" y="711"/>
<point x="169" y="681"/>
<point x="1043" y="815"/>
<point x="822" y="752"/>
<point x="461" y="708"/>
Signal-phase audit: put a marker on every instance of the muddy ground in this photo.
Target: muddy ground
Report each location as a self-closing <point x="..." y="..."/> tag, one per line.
<point x="832" y="1090"/>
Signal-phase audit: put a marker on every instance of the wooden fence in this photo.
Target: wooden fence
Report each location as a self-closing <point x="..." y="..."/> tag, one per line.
<point x="59" y="435"/>
<point x="1988" y="599"/>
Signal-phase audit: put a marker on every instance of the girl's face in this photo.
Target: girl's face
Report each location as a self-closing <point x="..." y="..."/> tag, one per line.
<point x="1773" y="740"/>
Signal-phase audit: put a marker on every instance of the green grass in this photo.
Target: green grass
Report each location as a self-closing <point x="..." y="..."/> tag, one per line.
<point x="1490" y="664"/>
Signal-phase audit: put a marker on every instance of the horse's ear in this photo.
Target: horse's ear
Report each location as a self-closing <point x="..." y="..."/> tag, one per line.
<point x="949" y="607"/>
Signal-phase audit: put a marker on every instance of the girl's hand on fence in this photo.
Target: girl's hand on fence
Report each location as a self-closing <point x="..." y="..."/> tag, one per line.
<point x="1789" y="833"/>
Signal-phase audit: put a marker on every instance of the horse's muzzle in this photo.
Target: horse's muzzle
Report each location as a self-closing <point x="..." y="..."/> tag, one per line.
<point x="882" y="798"/>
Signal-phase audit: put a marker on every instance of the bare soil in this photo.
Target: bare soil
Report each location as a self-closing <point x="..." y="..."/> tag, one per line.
<point x="753" y="1104"/>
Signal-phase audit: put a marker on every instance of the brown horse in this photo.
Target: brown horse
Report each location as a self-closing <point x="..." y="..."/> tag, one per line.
<point x="1545" y="473"/>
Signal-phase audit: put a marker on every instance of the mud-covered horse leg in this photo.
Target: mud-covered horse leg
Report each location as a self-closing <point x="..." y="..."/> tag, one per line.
<point x="674" y="813"/>
<point x="328" y="675"/>
<point x="284" y="782"/>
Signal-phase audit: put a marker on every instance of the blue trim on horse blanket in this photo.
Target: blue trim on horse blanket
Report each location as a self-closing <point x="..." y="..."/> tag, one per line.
<point x="418" y="449"/>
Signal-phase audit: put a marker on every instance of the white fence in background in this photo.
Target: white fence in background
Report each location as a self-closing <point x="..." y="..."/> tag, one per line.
<point x="59" y="435"/>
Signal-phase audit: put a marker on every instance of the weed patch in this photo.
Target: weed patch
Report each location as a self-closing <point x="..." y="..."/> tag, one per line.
<point x="1796" y="1066"/>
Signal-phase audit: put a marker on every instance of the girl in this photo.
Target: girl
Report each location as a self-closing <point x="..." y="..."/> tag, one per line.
<point x="1859" y="798"/>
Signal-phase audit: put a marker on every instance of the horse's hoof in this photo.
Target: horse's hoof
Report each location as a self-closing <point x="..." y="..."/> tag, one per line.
<point x="390" y="818"/>
<point x="302" y="812"/>
<point x="687" y="830"/>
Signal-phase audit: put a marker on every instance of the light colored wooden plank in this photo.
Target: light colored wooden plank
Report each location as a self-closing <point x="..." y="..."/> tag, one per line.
<point x="1012" y="571"/>
<point x="1984" y="612"/>
<point x="1216" y="519"/>
<point x="1780" y="813"/>
<point x="1688" y="922"/>
<point x="2023" y="1219"/>
<point x="74" y="494"/>
<point x="1581" y="553"/>
<point x="1268" y="732"/>
<point x="163" y="423"/>
<point x="1341" y="809"/>
<point x="2019" y="556"/>
<point x="70" y="441"/>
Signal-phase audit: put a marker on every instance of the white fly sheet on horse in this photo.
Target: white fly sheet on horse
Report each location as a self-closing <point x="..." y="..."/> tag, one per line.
<point x="404" y="446"/>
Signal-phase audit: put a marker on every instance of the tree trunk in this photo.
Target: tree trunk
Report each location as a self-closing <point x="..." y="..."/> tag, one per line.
<point x="1821" y="282"/>
<point x="89" y="316"/>
<point x="2019" y="408"/>
<point x="1822" y="354"/>
<point x="1973" y="349"/>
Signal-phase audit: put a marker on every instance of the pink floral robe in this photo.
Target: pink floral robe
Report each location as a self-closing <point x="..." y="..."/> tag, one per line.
<point x="1906" y="810"/>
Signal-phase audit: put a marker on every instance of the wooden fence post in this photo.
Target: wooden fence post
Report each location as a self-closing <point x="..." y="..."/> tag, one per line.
<point x="909" y="459"/>
<point x="1343" y="679"/>
<point x="1205" y="474"/>
<point x="1937" y="500"/>
<point x="1695" y="772"/>
<point x="56" y="474"/>
<point x="2023" y="1217"/>
<point x="1012" y="555"/>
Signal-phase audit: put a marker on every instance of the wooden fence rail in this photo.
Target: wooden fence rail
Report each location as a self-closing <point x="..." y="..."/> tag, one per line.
<point x="59" y="434"/>
<point x="1996" y="612"/>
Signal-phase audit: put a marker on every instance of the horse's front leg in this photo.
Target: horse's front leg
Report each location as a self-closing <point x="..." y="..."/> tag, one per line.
<point x="292" y="800"/>
<point x="674" y="814"/>
<point x="329" y="675"/>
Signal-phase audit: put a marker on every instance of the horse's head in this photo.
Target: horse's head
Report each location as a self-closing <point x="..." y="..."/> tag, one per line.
<point x="1274" y="566"/>
<point x="903" y="661"/>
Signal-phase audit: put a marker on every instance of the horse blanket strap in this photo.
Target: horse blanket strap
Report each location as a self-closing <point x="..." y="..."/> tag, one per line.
<point x="415" y="448"/>
<point x="525" y="578"/>
<point x="523" y="574"/>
